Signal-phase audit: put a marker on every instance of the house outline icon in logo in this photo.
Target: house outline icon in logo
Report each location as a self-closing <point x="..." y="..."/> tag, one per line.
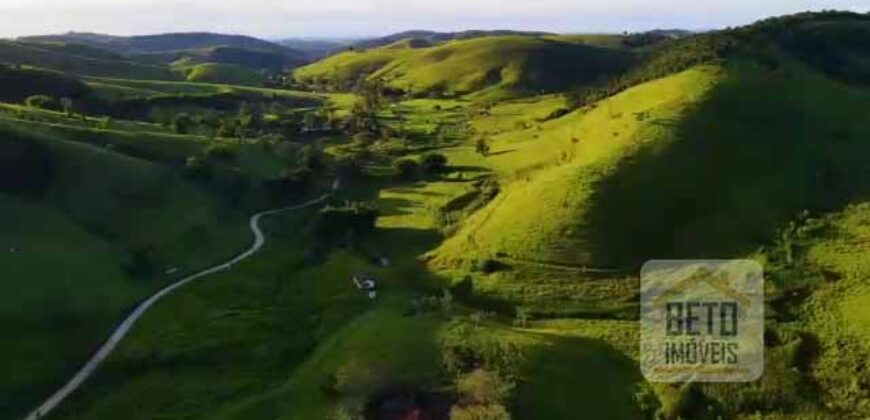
<point x="716" y="279"/>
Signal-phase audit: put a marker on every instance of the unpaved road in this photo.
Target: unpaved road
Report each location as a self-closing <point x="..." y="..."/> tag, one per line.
<point x="259" y="239"/>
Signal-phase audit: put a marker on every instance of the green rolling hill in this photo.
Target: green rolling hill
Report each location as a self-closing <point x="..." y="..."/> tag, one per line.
<point x="570" y="160"/>
<point x="73" y="61"/>
<point x="489" y="66"/>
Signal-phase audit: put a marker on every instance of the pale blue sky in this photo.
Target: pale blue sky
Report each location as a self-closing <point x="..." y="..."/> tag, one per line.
<point x="320" y="18"/>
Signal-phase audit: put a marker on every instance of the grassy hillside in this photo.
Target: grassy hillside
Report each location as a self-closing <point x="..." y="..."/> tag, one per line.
<point x="520" y="257"/>
<point x="621" y="182"/>
<point x="433" y="37"/>
<point x="493" y="66"/>
<point x="71" y="48"/>
<point x="548" y="179"/>
<point x="87" y="233"/>
<point x="50" y="57"/>
<point x="247" y="58"/>
<point x="16" y="84"/>
<point x="221" y="73"/>
<point x="144" y="44"/>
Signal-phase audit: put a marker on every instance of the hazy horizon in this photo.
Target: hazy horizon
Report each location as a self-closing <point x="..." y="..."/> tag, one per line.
<point x="358" y="19"/>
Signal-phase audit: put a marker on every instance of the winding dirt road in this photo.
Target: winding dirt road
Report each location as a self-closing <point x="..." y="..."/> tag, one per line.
<point x="259" y="239"/>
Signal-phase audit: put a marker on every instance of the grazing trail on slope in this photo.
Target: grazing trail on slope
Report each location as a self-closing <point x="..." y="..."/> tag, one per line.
<point x="259" y="239"/>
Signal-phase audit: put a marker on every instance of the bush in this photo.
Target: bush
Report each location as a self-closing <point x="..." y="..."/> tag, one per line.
<point x="364" y="138"/>
<point x="406" y="168"/>
<point x="349" y="166"/>
<point x="221" y="152"/>
<point x="352" y="218"/>
<point x="481" y="396"/>
<point x="434" y="163"/>
<point x="182" y="123"/>
<point x="43" y="102"/>
<point x="489" y="266"/>
<point x="196" y="167"/>
<point x="482" y="387"/>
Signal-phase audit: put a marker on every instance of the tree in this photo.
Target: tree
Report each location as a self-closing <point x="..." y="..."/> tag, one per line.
<point x="434" y="163"/>
<point x="446" y="301"/>
<point x="182" y="123"/>
<point x="406" y="169"/>
<point x="349" y="166"/>
<point x="67" y="105"/>
<point x="479" y="412"/>
<point x="482" y="146"/>
<point x="482" y="394"/>
<point x="228" y="127"/>
<point x="42" y="102"/>
<point x="250" y="119"/>
<point x="352" y="218"/>
<point x="312" y="158"/>
<point x="522" y="316"/>
<point x="196" y="167"/>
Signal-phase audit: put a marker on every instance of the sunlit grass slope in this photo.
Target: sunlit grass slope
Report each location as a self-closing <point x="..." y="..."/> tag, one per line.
<point x="500" y="65"/>
<point x="838" y="312"/>
<point x="549" y="171"/>
<point x="711" y="161"/>
<point x="221" y="73"/>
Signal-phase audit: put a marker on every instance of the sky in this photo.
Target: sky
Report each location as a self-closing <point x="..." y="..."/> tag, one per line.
<point x="276" y="19"/>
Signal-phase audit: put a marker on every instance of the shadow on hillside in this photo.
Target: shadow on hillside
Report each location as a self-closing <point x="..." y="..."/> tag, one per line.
<point x="468" y="168"/>
<point x="575" y="377"/>
<point x="502" y="152"/>
<point x="759" y="149"/>
<point x="394" y="206"/>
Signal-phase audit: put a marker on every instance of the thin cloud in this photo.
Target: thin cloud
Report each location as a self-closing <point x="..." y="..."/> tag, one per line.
<point x="282" y="18"/>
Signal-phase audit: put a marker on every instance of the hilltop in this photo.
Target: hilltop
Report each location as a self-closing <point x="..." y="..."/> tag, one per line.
<point x="493" y="66"/>
<point x="438" y="37"/>
<point x="143" y="44"/>
<point x="115" y="56"/>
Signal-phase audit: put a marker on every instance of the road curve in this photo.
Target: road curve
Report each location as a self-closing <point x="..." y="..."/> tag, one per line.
<point x="259" y="239"/>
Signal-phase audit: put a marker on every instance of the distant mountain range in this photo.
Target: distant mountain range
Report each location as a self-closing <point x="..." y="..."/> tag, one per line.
<point x="142" y="44"/>
<point x="435" y="37"/>
<point x="193" y="47"/>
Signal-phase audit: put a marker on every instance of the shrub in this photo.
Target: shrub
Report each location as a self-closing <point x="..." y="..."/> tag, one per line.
<point x="482" y="146"/>
<point x="434" y="163"/>
<point x="489" y="266"/>
<point x="196" y="167"/>
<point x="406" y="168"/>
<point x="43" y="102"/>
<point x="312" y="158"/>
<point x="481" y="396"/>
<point x="182" y="123"/>
<point x="221" y="152"/>
<point x="352" y="218"/>
<point x="482" y="387"/>
<point x="349" y="166"/>
<point x="364" y="138"/>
